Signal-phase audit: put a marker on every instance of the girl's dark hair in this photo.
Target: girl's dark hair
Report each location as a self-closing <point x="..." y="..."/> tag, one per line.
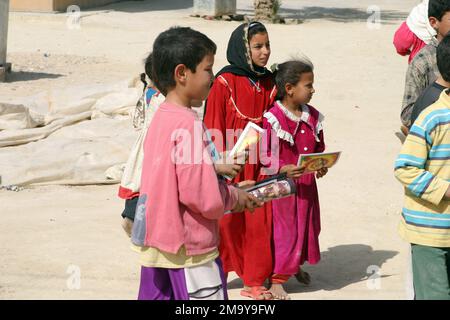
<point x="290" y="72"/>
<point x="148" y="66"/>
<point x="255" y="27"/>
<point x="148" y="62"/>
<point x="438" y="8"/>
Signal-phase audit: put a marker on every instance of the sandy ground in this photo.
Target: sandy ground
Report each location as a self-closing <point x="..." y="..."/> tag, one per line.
<point x="49" y="235"/>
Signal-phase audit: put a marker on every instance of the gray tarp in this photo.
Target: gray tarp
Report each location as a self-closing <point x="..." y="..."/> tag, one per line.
<point x="80" y="135"/>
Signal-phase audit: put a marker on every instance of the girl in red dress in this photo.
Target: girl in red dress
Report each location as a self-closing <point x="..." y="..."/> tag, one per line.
<point x="242" y="92"/>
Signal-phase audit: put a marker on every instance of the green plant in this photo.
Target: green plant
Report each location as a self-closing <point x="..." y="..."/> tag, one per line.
<point x="276" y="6"/>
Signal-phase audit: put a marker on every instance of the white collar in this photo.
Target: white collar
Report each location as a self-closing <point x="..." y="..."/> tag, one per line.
<point x="304" y="117"/>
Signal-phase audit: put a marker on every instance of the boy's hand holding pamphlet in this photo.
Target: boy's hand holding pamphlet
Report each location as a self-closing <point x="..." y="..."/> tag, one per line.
<point x="230" y="167"/>
<point x="275" y="187"/>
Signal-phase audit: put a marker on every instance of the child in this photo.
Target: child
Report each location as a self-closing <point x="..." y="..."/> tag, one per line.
<point x="131" y="179"/>
<point x="298" y="128"/>
<point x="242" y="92"/>
<point x="423" y="167"/>
<point x="181" y="200"/>
<point x="423" y="69"/>
<point x="432" y="93"/>
<point x="415" y="32"/>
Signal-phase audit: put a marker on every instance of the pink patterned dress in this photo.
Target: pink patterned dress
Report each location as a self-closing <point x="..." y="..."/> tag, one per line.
<point x="296" y="220"/>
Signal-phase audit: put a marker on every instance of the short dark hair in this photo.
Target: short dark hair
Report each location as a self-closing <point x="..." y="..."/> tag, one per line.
<point x="255" y="27"/>
<point x="438" y="8"/>
<point x="178" y="45"/>
<point x="443" y="57"/>
<point x="290" y="72"/>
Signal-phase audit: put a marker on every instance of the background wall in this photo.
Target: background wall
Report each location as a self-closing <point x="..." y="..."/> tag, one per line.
<point x="54" y="5"/>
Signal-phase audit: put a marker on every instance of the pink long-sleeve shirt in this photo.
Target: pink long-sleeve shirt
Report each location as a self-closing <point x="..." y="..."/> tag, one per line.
<point x="184" y="198"/>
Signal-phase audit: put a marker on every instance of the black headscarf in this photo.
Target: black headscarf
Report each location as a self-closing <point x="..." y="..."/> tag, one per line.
<point x="239" y="54"/>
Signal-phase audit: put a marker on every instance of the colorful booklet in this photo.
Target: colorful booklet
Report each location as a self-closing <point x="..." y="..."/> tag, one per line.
<point x="316" y="161"/>
<point x="273" y="188"/>
<point x="250" y="136"/>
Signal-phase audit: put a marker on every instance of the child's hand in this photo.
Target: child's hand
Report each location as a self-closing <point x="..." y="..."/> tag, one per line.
<point x="241" y="157"/>
<point x="321" y="172"/>
<point x="230" y="166"/>
<point x="231" y="170"/>
<point x="292" y="171"/>
<point x="246" y="201"/>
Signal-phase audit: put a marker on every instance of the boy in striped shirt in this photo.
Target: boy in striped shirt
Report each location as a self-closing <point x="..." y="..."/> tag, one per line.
<point x="423" y="167"/>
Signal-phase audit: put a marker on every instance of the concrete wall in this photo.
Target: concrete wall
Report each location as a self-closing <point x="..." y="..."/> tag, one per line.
<point x="214" y="7"/>
<point x="55" y="5"/>
<point x="4" y="4"/>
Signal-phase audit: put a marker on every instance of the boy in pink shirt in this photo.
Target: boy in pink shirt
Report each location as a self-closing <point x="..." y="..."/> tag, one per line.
<point x="176" y="223"/>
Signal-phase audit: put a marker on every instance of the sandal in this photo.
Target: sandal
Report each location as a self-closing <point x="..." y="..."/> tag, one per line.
<point x="257" y="293"/>
<point x="303" y="277"/>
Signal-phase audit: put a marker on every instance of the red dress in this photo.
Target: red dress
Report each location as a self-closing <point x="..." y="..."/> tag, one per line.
<point x="245" y="245"/>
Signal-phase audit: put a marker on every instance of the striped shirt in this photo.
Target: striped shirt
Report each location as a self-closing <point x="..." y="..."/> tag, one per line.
<point x="423" y="167"/>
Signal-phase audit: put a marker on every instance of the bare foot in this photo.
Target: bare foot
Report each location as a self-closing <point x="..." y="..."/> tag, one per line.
<point x="248" y="292"/>
<point x="278" y="292"/>
<point x="303" y="277"/>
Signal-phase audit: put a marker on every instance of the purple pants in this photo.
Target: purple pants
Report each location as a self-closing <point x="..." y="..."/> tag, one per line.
<point x="172" y="284"/>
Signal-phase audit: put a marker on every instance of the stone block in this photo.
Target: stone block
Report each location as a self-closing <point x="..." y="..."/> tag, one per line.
<point x="4" y="69"/>
<point x="214" y="7"/>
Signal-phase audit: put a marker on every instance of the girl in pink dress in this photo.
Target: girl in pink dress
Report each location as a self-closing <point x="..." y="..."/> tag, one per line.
<point x="298" y="128"/>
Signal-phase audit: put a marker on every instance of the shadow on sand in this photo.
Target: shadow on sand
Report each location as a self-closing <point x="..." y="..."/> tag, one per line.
<point x="305" y="13"/>
<point x="146" y="5"/>
<point x="339" y="267"/>
<point x="18" y="76"/>
<point x="336" y="14"/>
